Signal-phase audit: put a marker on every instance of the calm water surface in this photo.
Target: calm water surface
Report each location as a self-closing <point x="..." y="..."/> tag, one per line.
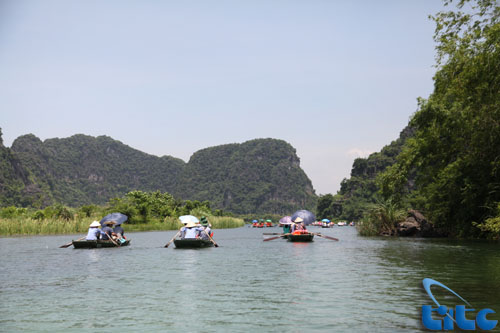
<point x="244" y="285"/>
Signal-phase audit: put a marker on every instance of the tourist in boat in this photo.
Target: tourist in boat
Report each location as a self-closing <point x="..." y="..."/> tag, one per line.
<point x="190" y="230"/>
<point x="107" y="230"/>
<point x="120" y="233"/>
<point x="94" y="232"/>
<point x="205" y="228"/>
<point x="286" y="228"/>
<point x="298" y="225"/>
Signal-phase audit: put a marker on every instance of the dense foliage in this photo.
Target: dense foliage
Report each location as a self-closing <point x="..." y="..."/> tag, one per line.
<point x="139" y="206"/>
<point x="329" y="206"/>
<point x="13" y="178"/>
<point x="259" y="176"/>
<point x="358" y="193"/>
<point x="446" y="163"/>
<point x="145" y="211"/>
<point x="456" y="147"/>
<point x="86" y="170"/>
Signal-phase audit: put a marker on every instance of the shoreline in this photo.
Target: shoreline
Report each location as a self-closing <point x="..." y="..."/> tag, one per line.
<point x="28" y="227"/>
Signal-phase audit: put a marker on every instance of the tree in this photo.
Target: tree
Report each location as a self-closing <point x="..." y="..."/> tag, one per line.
<point x="329" y="206"/>
<point x="456" y="147"/>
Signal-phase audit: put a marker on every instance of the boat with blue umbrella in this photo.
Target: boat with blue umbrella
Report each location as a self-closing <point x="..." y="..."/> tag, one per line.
<point x="299" y="218"/>
<point x="113" y="219"/>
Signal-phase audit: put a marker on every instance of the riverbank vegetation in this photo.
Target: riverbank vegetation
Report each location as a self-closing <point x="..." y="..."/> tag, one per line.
<point x="381" y="219"/>
<point x="146" y="211"/>
<point x="454" y="156"/>
<point x="446" y="163"/>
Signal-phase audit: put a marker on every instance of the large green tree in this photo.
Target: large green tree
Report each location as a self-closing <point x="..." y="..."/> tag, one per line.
<point x="456" y="148"/>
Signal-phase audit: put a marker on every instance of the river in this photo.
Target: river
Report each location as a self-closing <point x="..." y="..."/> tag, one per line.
<point x="244" y="285"/>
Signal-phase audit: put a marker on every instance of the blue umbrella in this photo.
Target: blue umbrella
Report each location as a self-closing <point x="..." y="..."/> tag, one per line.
<point x="119" y="218"/>
<point x="255" y="221"/>
<point x="306" y="216"/>
<point x="325" y="220"/>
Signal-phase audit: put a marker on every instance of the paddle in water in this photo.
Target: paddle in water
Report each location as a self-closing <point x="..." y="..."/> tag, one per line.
<point x="70" y="243"/>
<point x="172" y="239"/>
<point x="211" y="239"/>
<point x="112" y="240"/>
<point x="324" y="236"/>
<point x="280" y="236"/>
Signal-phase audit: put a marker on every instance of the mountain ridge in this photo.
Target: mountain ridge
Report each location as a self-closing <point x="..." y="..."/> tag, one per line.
<point x="83" y="169"/>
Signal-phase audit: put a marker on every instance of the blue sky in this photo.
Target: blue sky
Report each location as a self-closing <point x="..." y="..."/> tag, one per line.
<point x="335" y="79"/>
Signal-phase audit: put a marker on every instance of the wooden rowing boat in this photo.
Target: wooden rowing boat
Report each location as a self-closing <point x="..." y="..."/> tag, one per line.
<point x="192" y="243"/>
<point x="93" y="244"/>
<point x="300" y="237"/>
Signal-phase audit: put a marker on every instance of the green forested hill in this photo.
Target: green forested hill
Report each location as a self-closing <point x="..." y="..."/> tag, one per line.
<point x="456" y="146"/>
<point x="13" y="178"/>
<point x="261" y="175"/>
<point x="83" y="169"/>
<point x="360" y="189"/>
<point x="256" y="176"/>
<point x="449" y="168"/>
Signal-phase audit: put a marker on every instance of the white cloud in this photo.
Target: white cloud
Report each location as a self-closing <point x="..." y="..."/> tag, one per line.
<point x="356" y="152"/>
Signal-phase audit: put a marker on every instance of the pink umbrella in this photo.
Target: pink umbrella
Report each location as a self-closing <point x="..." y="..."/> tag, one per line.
<point x="286" y="220"/>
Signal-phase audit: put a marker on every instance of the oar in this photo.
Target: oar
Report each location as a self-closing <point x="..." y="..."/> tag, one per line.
<point x="271" y="238"/>
<point x="327" y="237"/>
<point x="273" y="233"/>
<point x="215" y="244"/>
<point x="173" y="238"/>
<point x="70" y="243"/>
<point x="112" y="240"/>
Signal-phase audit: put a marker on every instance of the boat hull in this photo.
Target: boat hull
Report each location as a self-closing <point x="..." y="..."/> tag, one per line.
<point x="300" y="238"/>
<point x="87" y="244"/>
<point x="192" y="243"/>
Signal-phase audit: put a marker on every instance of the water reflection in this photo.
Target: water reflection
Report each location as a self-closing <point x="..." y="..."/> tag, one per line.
<point x="471" y="269"/>
<point x="356" y="284"/>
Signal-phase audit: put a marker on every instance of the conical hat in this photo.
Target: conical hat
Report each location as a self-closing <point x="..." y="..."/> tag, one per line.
<point x="95" y="224"/>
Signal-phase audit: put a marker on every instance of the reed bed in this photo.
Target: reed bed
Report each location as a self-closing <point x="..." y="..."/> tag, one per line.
<point x="22" y="226"/>
<point x="27" y="226"/>
<point x="225" y="222"/>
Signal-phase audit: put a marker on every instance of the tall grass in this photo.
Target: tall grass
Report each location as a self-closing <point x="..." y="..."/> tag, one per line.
<point x="223" y="222"/>
<point x="28" y="226"/>
<point x="171" y="223"/>
<point x="382" y="219"/>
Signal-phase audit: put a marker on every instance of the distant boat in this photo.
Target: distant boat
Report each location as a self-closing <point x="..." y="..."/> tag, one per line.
<point x="342" y="223"/>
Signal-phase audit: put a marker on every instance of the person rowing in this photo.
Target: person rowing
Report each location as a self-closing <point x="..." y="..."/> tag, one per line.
<point x="107" y="230"/>
<point x="206" y="228"/>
